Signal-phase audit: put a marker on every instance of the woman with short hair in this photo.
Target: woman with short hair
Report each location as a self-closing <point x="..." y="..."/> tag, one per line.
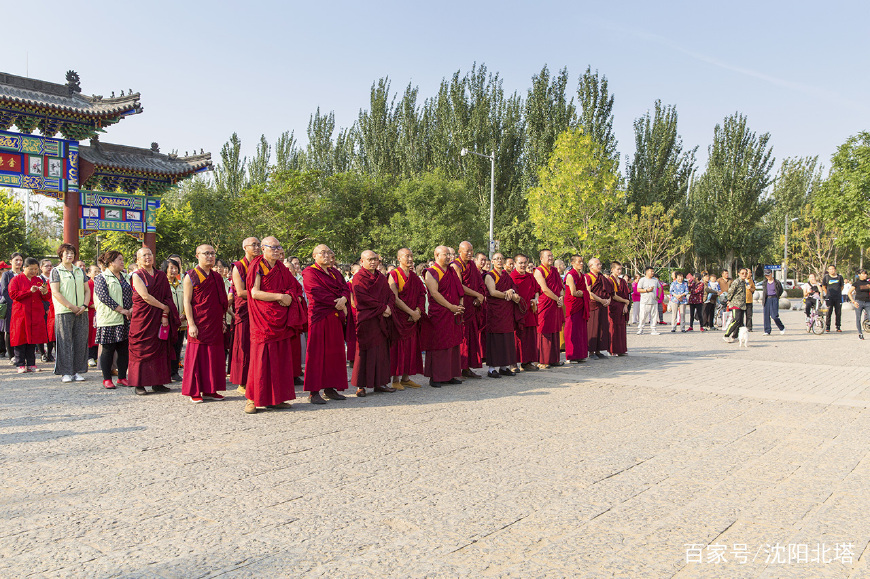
<point x="70" y="294"/>
<point x="172" y="268"/>
<point x="113" y="297"/>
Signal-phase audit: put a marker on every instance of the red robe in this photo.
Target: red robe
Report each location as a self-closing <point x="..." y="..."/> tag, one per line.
<point x="149" y="355"/>
<point x="576" y="319"/>
<point x="527" y="331"/>
<point x="550" y="317"/>
<point x="28" y="314"/>
<point x="502" y="318"/>
<point x="406" y="356"/>
<point x="598" y="326"/>
<point x="325" y="355"/>
<point x="470" y="354"/>
<point x="373" y="295"/>
<point x="205" y="359"/>
<point x="270" y="375"/>
<point x="296" y="339"/>
<point x="618" y="318"/>
<point x="350" y="327"/>
<point x="241" y="356"/>
<point x="442" y="331"/>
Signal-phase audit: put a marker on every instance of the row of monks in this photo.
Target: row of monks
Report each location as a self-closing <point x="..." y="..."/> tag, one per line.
<point x="457" y="314"/>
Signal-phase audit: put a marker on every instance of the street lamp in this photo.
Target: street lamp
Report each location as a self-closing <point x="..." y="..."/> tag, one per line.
<point x="785" y="251"/>
<point x="491" y="158"/>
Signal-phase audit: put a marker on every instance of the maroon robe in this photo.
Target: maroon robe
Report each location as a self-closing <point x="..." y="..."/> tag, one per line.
<point x="576" y="319"/>
<point x="442" y="331"/>
<point x="241" y="357"/>
<point x="325" y="355"/>
<point x="502" y="318"/>
<point x="527" y="330"/>
<point x="619" y="318"/>
<point x="470" y="354"/>
<point x="296" y="340"/>
<point x="270" y="376"/>
<point x="371" y="366"/>
<point x="406" y="356"/>
<point x="550" y="318"/>
<point x="28" y="314"/>
<point x="204" y="359"/>
<point x="149" y="355"/>
<point x="350" y="327"/>
<point x="598" y="326"/>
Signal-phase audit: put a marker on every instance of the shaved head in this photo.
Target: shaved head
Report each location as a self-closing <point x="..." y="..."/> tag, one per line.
<point x="403" y="251"/>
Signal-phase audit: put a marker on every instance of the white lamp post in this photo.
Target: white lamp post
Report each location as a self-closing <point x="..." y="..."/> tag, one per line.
<point x="491" y="158"/>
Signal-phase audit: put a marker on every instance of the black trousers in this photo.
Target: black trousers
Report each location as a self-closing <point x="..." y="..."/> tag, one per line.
<point x="695" y="314"/>
<point x="748" y="316"/>
<point x="10" y="351"/>
<point x="811" y="303"/>
<point x="26" y="354"/>
<point x="736" y="323"/>
<point x="709" y="310"/>
<point x="836" y="306"/>
<point x="45" y="349"/>
<point x="107" y="356"/>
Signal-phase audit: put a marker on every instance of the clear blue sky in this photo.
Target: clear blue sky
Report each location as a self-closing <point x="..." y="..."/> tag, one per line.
<point x="798" y="69"/>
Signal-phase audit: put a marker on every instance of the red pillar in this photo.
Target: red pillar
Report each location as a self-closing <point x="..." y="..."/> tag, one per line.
<point x="150" y="242"/>
<point x="71" y="218"/>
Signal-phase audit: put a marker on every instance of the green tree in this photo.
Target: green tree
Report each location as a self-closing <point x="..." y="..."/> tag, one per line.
<point x="648" y="237"/>
<point x="574" y="206"/>
<point x="11" y="224"/>
<point x="845" y="196"/>
<point x="595" y="116"/>
<point x="258" y="168"/>
<point x="797" y="183"/>
<point x="229" y="175"/>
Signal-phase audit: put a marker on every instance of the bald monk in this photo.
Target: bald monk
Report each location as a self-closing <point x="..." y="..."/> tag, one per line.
<point x="442" y="332"/>
<point x="550" y="313"/>
<point x="328" y="295"/>
<point x="598" y="327"/>
<point x="483" y="266"/>
<point x="502" y="315"/>
<point x="374" y="306"/>
<point x="205" y="304"/>
<point x="350" y="326"/>
<point x="527" y="330"/>
<point x="242" y="334"/>
<point x="576" y="312"/>
<point x="618" y="311"/>
<point x="276" y="315"/>
<point x="406" y="357"/>
<point x="509" y="265"/>
<point x="472" y="289"/>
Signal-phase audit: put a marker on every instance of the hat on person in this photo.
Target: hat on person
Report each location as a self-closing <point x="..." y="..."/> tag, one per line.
<point x="768" y="272"/>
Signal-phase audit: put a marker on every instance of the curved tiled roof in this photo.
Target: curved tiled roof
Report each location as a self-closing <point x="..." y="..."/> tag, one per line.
<point x="126" y="158"/>
<point x="63" y="99"/>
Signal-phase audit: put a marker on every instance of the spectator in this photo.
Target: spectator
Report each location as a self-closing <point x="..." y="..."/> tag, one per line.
<point x="750" y="293"/>
<point x="648" y="287"/>
<point x="859" y="295"/>
<point x="93" y="347"/>
<point x="679" y="297"/>
<point x="696" y="302"/>
<point x="172" y="268"/>
<point x="736" y="305"/>
<point x="635" y="300"/>
<point x="724" y="281"/>
<point x="114" y="305"/>
<point x="70" y="294"/>
<point x="812" y="294"/>
<point x="16" y="262"/>
<point x="711" y="294"/>
<point x="27" y="329"/>
<point x="660" y="299"/>
<point x="832" y="286"/>
<point x="771" y="289"/>
<point x="45" y="350"/>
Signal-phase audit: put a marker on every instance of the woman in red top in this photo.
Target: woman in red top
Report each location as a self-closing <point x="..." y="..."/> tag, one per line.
<point x="28" y="291"/>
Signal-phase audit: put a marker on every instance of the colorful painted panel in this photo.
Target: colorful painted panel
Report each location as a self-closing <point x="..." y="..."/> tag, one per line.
<point x="133" y="214"/>
<point x="47" y="166"/>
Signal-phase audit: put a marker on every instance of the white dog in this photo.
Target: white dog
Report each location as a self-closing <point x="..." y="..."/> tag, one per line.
<point x="743" y="337"/>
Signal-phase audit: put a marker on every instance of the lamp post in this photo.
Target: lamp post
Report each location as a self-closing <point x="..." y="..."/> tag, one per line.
<point x="785" y="252"/>
<point x="491" y="158"/>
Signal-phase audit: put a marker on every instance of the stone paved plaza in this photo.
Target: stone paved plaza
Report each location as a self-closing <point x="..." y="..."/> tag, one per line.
<point x="688" y="458"/>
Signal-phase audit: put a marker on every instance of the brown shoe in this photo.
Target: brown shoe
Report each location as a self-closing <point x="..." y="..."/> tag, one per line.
<point x="409" y="384"/>
<point x="281" y="406"/>
<point x="384" y="389"/>
<point x="250" y="407"/>
<point x="360" y="392"/>
<point x="241" y="389"/>
<point x="467" y="373"/>
<point x="397" y="385"/>
<point x="315" y="398"/>
<point x="333" y="394"/>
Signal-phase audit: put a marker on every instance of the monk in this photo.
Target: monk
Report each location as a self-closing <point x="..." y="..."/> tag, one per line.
<point x="576" y="312"/>
<point x="153" y="309"/>
<point x="618" y="311"/>
<point x="510" y="265"/>
<point x="550" y="313"/>
<point x="242" y="334"/>
<point x="350" y="326"/>
<point x="295" y="268"/>
<point x="472" y="289"/>
<point x="527" y="331"/>
<point x="328" y="294"/>
<point x="483" y="266"/>
<point x="374" y="306"/>
<point x="205" y="303"/>
<point x="502" y="315"/>
<point x="276" y="315"/>
<point x="443" y="333"/>
<point x="406" y="357"/>
<point x="598" y="327"/>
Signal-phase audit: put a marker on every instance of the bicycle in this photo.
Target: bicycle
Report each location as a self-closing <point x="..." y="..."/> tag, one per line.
<point x="815" y="322"/>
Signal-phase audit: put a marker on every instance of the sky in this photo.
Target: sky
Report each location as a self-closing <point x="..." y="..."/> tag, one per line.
<point x="798" y="70"/>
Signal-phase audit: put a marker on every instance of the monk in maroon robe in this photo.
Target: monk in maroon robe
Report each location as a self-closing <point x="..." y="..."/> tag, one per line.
<point x="374" y="307"/>
<point x="205" y="304"/>
<point x="241" y="356"/>
<point x="483" y="266"/>
<point x="472" y="300"/>
<point x="527" y="330"/>
<point x="598" y="326"/>
<point x="350" y="326"/>
<point x="406" y="356"/>
<point x="153" y="308"/>
<point x="442" y="331"/>
<point x="550" y="314"/>
<point x="325" y="355"/>
<point x="276" y="315"/>
<point x="618" y="311"/>
<point x="502" y="316"/>
<point x="576" y="312"/>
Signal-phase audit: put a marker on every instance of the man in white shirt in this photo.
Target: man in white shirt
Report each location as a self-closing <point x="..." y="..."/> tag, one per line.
<point x="647" y="287"/>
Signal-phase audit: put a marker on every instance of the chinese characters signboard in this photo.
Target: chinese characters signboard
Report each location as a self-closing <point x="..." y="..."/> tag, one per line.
<point x="133" y="214"/>
<point x="46" y="166"/>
